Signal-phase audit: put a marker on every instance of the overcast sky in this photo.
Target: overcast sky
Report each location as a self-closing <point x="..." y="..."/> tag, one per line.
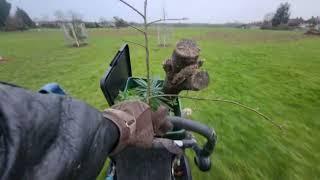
<point x="204" y="11"/>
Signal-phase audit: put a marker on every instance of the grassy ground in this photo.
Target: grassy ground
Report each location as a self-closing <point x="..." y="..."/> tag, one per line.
<point x="274" y="71"/>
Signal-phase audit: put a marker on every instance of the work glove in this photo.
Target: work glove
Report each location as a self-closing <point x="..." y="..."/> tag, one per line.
<point x="138" y="124"/>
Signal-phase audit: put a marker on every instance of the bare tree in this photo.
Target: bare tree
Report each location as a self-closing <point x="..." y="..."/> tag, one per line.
<point x="104" y="22"/>
<point x="60" y="16"/>
<point x="268" y="17"/>
<point x="44" y="18"/>
<point x="144" y="31"/>
<point x="74" y="29"/>
<point x="119" y="22"/>
<point x="74" y="16"/>
<point x="164" y="31"/>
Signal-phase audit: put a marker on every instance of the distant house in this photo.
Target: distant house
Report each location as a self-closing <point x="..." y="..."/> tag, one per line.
<point x="253" y="25"/>
<point x="243" y="26"/>
<point x="313" y="22"/>
<point x="297" y="22"/>
<point x="107" y="24"/>
<point x="48" y="24"/>
<point x="304" y="25"/>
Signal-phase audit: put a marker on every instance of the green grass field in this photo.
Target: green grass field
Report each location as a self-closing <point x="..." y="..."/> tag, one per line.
<point x="276" y="72"/>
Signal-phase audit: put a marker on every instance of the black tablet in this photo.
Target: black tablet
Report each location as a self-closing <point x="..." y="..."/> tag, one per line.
<point x="115" y="78"/>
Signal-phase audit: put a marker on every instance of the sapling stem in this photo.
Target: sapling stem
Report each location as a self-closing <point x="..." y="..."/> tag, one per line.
<point x="146" y="38"/>
<point x="223" y="101"/>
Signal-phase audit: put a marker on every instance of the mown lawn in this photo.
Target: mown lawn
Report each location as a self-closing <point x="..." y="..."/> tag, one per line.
<point x="276" y="72"/>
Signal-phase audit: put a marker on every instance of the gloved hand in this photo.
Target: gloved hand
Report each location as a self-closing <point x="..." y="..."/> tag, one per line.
<point x="137" y="124"/>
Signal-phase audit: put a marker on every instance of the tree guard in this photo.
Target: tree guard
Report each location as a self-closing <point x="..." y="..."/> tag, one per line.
<point x="75" y="34"/>
<point x="183" y="69"/>
<point x="164" y="33"/>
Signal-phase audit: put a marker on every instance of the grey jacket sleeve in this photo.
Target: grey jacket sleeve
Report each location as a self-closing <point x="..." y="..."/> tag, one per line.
<point x="51" y="136"/>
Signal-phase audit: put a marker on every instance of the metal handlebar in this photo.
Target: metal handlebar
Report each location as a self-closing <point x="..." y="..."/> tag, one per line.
<point x="202" y="159"/>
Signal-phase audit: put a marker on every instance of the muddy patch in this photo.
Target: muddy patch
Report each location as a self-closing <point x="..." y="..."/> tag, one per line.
<point x="3" y="59"/>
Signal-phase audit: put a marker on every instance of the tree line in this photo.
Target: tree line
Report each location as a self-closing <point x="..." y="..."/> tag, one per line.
<point x="20" y="20"/>
<point x="280" y="19"/>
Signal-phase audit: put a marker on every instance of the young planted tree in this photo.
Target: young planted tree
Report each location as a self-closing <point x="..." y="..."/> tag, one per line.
<point x="74" y="29"/>
<point x="75" y="34"/>
<point x="182" y="70"/>
<point x="164" y="31"/>
<point x="60" y="16"/>
<point x="144" y="31"/>
<point x="268" y="17"/>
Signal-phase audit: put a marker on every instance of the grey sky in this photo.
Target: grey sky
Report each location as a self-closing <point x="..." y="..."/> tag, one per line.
<point x="207" y="11"/>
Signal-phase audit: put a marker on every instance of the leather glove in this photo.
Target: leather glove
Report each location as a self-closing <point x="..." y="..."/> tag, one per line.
<point x="137" y="124"/>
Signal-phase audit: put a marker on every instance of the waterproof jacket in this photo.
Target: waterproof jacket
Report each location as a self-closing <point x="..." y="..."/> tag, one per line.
<point x="46" y="136"/>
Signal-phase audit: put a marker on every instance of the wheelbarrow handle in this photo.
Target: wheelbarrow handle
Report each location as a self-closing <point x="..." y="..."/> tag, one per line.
<point x="202" y="158"/>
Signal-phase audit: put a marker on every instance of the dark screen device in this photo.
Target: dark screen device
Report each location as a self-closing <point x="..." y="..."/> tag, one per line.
<point x="115" y="78"/>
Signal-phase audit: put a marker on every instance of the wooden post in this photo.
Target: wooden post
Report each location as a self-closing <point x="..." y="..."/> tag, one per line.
<point x="75" y="35"/>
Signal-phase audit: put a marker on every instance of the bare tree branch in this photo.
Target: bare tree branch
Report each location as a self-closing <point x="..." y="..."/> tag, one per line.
<point x="136" y="28"/>
<point x="133" y="8"/>
<point x="134" y="43"/>
<point x="224" y="101"/>
<point x="160" y="20"/>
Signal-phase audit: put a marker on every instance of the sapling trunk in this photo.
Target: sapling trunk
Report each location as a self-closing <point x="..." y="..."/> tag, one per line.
<point x="183" y="69"/>
<point x="146" y="39"/>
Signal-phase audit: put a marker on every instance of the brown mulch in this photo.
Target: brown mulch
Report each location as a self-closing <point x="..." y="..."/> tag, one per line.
<point x="80" y="45"/>
<point x="313" y="32"/>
